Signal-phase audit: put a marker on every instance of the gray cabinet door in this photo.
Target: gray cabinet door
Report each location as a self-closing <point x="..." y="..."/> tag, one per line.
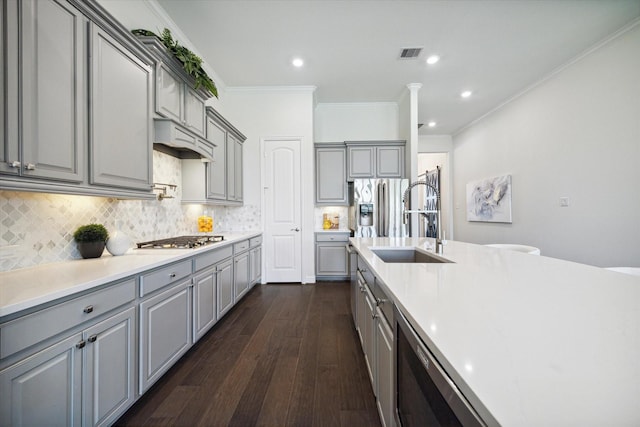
<point x="255" y="260"/>
<point x="384" y="370"/>
<point x="237" y="172"/>
<point x="109" y="381"/>
<point x="224" y="278"/>
<point x="240" y="275"/>
<point x="204" y="302"/>
<point x="53" y="90"/>
<point x="390" y="162"/>
<point x="369" y="337"/>
<point x="231" y="167"/>
<point x="331" y="259"/>
<point x="361" y="162"/>
<point x="194" y="114"/>
<point x="44" y="389"/>
<point x="165" y="332"/>
<point x="331" y="180"/>
<point x="9" y="148"/>
<point x="217" y="170"/>
<point x="121" y="123"/>
<point x="169" y="93"/>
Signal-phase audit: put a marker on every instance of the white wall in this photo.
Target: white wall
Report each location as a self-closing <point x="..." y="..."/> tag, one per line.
<point x="337" y="122"/>
<point x="261" y="113"/>
<point x="575" y="135"/>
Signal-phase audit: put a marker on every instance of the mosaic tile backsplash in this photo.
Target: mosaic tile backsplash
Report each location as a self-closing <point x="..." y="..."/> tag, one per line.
<point x="38" y="228"/>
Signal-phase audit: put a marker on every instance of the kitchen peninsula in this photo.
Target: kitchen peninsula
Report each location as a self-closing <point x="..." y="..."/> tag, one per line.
<point x="534" y="340"/>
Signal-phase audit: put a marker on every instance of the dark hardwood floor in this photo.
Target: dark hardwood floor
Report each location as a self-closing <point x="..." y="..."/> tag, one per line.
<point x="286" y="355"/>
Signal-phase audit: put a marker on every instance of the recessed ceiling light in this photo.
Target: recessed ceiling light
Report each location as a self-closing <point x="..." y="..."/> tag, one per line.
<point x="466" y="94"/>
<point x="431" y="124"/>
<point x="297" y="62"/>
<point x="433" y="59"/>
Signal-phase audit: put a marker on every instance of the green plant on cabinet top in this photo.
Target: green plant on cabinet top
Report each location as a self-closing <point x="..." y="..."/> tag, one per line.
<point x="191" y="62"/>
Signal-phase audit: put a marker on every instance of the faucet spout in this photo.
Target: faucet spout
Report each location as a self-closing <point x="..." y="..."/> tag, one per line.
<point x="407" y="210"/>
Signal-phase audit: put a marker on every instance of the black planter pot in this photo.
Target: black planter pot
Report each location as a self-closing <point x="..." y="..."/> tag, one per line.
<point x="90" y="249"/>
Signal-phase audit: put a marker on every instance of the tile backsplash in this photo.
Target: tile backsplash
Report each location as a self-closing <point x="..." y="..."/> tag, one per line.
<point x="38" y="228"/>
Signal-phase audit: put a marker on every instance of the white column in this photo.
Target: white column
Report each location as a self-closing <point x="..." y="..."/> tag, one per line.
<point x="412" y="148"/>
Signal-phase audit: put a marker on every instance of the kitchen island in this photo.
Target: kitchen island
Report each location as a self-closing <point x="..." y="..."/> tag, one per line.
<point x="534" y="340"/>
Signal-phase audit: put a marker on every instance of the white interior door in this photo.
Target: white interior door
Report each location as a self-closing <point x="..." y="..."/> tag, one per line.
<point x="282" y="232"/>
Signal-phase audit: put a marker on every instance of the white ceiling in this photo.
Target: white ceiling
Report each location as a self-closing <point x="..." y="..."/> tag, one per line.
<point x="351" y="48"/>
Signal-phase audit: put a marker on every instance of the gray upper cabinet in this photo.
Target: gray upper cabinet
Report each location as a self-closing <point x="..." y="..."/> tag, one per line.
<point x="52" y="100"/>
<point x="379" y="159"/>
<point x="390" y="162"/>
<point x="53" y="90"/>
<point x="361" y="162"/>
<point x="218" y="182"/>
<point x="76" y="114"/>
<point x="217" y="170"/>
<point x="176" y="96"/>
<point x="121" y="115"/>
<point x="331" y="180"/>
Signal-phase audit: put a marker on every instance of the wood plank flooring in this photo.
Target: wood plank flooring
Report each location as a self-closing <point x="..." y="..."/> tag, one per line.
<point x="286" y="355"/>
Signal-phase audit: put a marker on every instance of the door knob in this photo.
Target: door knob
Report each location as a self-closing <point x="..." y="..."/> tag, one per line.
<point x="295" y="229"/>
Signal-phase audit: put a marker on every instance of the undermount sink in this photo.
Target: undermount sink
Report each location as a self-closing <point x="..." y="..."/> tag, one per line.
<point x="407" y="255"/>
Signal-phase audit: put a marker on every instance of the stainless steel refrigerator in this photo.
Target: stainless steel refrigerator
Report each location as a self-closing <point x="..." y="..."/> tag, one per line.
<point x="376" y="209"/>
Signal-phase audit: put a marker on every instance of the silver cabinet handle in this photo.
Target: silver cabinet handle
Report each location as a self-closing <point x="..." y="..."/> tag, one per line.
<point x="295" y="229"/>
<point x="380" y="301"/>
<point x="374" y="316"/>
<point x="88" y="309"/>
<point x="172" y="275"/>
<point x="81" y="344"/>
<point x="15" y="164"/>
<point x="92" y="338"/>
<point x="31" y="166"/>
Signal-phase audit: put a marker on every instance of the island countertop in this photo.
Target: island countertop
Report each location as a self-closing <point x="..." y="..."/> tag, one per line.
<point x="537" y="341"/>
<point x="29" y="287"/>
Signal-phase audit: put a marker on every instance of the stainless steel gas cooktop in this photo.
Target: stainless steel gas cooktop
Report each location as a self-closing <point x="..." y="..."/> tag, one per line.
<point x="181" y="242"/>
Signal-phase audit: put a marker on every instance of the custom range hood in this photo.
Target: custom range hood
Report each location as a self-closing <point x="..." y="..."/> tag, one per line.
<point x="171" y="138"/>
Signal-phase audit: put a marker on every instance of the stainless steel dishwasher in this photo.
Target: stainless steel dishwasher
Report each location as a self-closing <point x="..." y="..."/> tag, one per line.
<point x="424" y="394"/>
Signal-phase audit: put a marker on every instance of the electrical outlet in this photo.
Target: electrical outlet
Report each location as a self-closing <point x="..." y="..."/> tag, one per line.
<point x="564" y="202"/>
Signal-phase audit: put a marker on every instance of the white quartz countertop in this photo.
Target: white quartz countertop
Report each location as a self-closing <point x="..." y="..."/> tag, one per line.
<point x="535" y="340"/>
<point x="29" y="287"/>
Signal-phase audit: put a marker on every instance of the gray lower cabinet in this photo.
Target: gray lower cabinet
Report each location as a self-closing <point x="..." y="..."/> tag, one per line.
<point x="375" y="159"/>
<point x="384" y="369"/>
<point x="224" y="276"/>
<point x="255" y="260"/>
<point x="84" y="377"/>
<point x="165" y="331"/>
<point x="204" y="302"/>
<point x="331" y="179"/>
<point x="240" y="269"/>
<point x="331" y="256"/>
<point x="44" y="389"/>
<point x="110" y="366"/>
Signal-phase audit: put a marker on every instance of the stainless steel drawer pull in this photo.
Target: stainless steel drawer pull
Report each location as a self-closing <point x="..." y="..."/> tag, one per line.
<point x="92" y="338"/>
<point x="374" y="315"/>
<point x="81" y="344"/>
<point x="31" y="167"/>
<point x="172" y="275"/>
<point x="15" y="164"/>
<point x="88" y="309"/>
<point x="380" y="301"/>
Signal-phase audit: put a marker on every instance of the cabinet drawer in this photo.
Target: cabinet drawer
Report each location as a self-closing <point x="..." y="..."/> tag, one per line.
<point x="212" y="257"/>
<point x="33" y="328"/>
<point x="366" y="272"/>
<point x="240" y="246"/>
<point x="160" y="278"/>
<point x="256" y="241"/>
<point x="332" y="237"/>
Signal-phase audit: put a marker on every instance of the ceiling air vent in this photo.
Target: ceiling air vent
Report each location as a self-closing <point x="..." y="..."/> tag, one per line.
<point x="410" y="52"/>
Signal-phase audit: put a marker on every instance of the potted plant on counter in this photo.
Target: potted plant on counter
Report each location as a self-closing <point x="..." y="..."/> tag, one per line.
<point x="91" y="240"/>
